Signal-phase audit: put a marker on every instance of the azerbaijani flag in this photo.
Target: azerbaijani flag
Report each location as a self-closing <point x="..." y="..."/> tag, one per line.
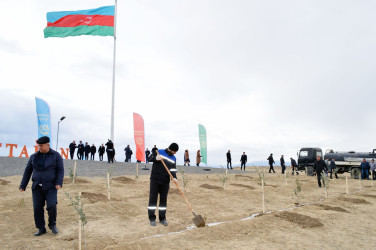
<point x="95" y="22"/>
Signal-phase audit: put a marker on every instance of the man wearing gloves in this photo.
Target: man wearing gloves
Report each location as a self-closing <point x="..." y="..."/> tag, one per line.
<point x="160" y="181"/>
<point x="47" y="169"/>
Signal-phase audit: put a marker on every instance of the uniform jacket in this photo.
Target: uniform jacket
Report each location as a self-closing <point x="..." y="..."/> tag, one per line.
<point x="364" y="165"/>
<point x="109" y="145"/>
<point x="93" y="149"/>
<point x="147" y="153"/>
<point x="128" y="152"/>
<point x="101" y="150"/>
<point x="332" y="165"/>
<point x="46" y="169"/>
<point x="80" y="148"/>
<point x="293" y="163"/>
<point x="282" y="160"/>
<point x="319" y="166"/>
<point x="158" y="172"/>
<point x="228" y="155"/>
<point x="243" y="158"/>
<point x="72" y="147"/>
<point x="87" y="149"/>
<point x="271" y="160"/>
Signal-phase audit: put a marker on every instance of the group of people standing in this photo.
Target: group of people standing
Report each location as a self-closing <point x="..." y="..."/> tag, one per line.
<point x="187" y="161"/>
<point x="84" y="150"/>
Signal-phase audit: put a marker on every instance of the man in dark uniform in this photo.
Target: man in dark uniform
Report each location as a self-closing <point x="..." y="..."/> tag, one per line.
<point x="87" y="151"/>
<point x="160" y="182"/>
<point x="93" y="150"/>
<point x="47" y="168"/>
<point x="72" y="148"/>
<point x="80" y="151"/>
<point x="128" y="154"/>
<point x="283" y="166"/>
<point x="243" y="160"/>
<point x="147" y="153"/>
<point x="154" y="149"/>
<point x="271" y="162"/>
<point x="319" y="166"/>
<point x="294" y="166"/>
<point x="333" y="169"/>
<point x="110" y="151"/>
<point x="101" y="151"/>
<point x="228" y="156"/>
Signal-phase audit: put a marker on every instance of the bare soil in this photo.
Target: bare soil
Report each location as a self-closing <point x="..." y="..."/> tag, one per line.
<point x="340" y="222"/>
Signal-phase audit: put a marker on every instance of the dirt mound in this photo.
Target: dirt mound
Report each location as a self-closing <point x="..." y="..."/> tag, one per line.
<point x="354" y="200"/>
<point x="124" y="179"/>
<point x="326" y="207"/>
<point x="208" y="186"/>
<point x="243" y="176"/>
<point x="369" y="195"/>
<point x="93" y="197"/>
<point x="299" y="219"/>
<point x="76" y="181"/>
<point x="4" y="182"/>
<point x="242" y="185"/>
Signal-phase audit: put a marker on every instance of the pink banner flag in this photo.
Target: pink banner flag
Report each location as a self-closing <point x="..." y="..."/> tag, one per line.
<point x="139" y="136"/>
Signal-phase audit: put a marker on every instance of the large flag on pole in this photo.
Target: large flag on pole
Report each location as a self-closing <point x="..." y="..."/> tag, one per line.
<point x="203" y="144"/>
<point x="139" y="136"/>
<point x="95" y="22"/>
<point x="44" y="119"/>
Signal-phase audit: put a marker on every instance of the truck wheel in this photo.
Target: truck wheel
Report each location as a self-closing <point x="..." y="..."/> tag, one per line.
<point x="309" y="171"/>
<point x="355" y="173"/>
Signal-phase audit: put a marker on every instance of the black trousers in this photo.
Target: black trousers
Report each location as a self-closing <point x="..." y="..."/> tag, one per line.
<point x="242" y="165"/>
<point x="100" y="157"/>
<point x="79" y="155"/>
<point x="271" y="168"/>
<point x="110" y="156"/>
<point x="229" y="163"/>
<point x="374" y="174"/>
<point x="71" y="154"/>
<point x="92" y="156"/>
<point x="162" y="190"/>
<point x="40" y="197"/>
<point x="86" y="156"/>
<point x="283" y="169"/>
<point x="319" y="177"/>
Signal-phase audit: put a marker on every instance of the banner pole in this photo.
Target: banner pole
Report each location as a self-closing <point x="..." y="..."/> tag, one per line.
<point x="113" y="78"/>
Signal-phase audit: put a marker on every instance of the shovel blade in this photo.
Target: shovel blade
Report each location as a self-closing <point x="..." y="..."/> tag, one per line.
<point x="199" y="221"/>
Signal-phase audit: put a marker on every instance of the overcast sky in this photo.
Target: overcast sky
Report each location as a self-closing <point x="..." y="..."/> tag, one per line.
<point x="262" y="76"/>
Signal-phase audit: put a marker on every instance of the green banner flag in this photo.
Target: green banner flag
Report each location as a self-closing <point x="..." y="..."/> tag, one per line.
<point x="203" y="144"/>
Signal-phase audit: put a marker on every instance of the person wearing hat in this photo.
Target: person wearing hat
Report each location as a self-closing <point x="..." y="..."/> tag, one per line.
<point x="160" y="181"/>
<point x="47" y="168"/>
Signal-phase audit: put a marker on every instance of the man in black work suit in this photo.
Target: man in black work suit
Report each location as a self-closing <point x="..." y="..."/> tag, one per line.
<point x="87" y="151"/>
<point x="228" y="156"/>
<point x="47" y="168"/>
<point x="80" y="151"/>
<point x="72" y="148"/>
<point x="271" y="162"/>
<point x="283" y="166"/>
<point x="319" y="166"/>
<point x="243" y="160"/>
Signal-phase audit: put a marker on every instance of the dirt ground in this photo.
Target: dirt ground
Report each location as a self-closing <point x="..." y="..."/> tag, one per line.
<point x="343" y="221"/>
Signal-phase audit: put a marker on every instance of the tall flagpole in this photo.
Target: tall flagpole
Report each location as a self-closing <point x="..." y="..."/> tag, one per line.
<point x="113" y="78"/>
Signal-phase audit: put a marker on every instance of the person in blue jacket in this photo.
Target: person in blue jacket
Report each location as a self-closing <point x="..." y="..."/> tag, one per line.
<point x="47" y="170"/>
<point x="160" y="182"/>
<point x="364" y="166"/>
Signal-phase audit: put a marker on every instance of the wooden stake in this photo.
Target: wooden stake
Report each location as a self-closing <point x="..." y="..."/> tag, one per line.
<point x="137" y="172"/>
<point x="347" y="187"/>
<point x="79" y="223"/>
<point x="360" y="183"/>
<point x="74" y="171"/>
<point x="286" y="178"/>
<point x="263" y="196"/>
<point x="108" y="187"/>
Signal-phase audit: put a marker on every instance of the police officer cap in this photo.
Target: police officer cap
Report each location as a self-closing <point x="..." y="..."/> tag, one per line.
<point x="174" y="147"/>
<point x="43" y="140"/>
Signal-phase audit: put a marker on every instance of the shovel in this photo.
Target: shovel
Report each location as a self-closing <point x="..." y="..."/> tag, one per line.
<point x="197" y="219"/>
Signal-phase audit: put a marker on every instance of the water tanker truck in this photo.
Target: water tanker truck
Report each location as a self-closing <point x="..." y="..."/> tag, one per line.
<point x="346" y="161"/>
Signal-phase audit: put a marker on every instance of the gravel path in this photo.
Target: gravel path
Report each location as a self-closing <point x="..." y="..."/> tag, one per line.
<point x="16" y="166"/>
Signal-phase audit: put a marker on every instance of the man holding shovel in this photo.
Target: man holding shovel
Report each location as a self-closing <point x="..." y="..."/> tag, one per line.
<point x="160" y="181"/>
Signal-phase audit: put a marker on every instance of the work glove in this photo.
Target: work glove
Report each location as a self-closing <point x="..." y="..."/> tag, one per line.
<point x="158" y="158"/>
<point x="175" y="180"/>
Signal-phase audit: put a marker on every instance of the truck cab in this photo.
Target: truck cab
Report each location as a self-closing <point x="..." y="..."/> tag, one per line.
<point x="306" y="159"/>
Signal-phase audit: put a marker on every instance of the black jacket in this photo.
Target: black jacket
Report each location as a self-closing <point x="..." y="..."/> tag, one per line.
<point x="271" y="160"/>
<point x="147" y="153"/>
<point x="93" y="149"/>
<point x="47" y="169"/>
<point x="293" y="163"/>
<point x="87" y="149"/>
<point x="109" y="145"/>
<point x="243" y="158"/>
<point x="158" y="172"/>
<point x="228" y="155"/>
<point x="128" y="152"/>
<point x="319" y="166"/>
<point x="282" y="160"/>
<point x="72" y="147"/>
<point x="101" y="150"/>
<point x="80" y="148"/>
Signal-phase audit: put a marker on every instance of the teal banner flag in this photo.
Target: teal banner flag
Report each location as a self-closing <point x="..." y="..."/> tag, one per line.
<point x="44" y="118"/>
<point x="203" y="144"/>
